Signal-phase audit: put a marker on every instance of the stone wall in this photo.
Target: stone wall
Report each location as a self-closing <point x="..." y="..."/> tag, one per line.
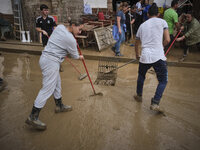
<point x="67" y="8"/>
<point x="61" y="8"/>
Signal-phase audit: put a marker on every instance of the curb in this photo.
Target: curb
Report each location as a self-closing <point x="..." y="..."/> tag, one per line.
<point x="92" y="57"/>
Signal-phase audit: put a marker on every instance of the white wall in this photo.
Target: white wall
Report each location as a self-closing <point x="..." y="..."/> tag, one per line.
<point x="6" y="7"/>
<point x="96" y="3"/>
<point x="161" y="2"/>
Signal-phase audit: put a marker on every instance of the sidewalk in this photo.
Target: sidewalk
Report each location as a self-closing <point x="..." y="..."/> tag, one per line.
<point x="92" y="53"/>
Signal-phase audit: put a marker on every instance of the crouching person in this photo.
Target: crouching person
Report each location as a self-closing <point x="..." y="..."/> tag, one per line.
<point x="191" y="34"/>
<point x="151" y="34"/>
<point x="61" y="43"/>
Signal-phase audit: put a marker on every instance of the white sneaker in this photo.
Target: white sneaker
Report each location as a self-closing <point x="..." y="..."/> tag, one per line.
<point x="155" y="107"/>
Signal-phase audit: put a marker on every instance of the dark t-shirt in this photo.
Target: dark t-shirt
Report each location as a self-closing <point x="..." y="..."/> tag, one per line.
<point x="122" y="16"/>
<point x="133" y="16"/>
<point x="46" y="24"/>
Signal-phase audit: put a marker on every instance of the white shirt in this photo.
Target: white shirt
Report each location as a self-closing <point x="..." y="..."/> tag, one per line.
<point x="150" y="34"/>
<point x="61" y="42"/>
<point x="139" y="6"/>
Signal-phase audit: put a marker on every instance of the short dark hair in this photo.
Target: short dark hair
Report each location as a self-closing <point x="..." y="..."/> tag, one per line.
<point x="153" y="10"/>
<point x="191" y="13"/>
<point x="43" y="6"/>
<point x="174" y="2"/>
<point x="134" y="7"/>
<point x="76" y="22"/>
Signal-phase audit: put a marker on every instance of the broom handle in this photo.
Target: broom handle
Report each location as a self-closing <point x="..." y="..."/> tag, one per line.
<point x="131" y="24"/>
<point x="123" y="65"/>
<point x="73" y="65"/>
<point x="86" y="69"/>
<point x="172" y="42"/>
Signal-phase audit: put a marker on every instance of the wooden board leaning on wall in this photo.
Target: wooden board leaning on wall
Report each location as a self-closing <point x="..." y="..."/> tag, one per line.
<point x="104" y="37"/>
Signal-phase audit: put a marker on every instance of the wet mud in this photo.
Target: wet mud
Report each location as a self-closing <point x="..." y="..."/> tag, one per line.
<point x="112" y="121"/>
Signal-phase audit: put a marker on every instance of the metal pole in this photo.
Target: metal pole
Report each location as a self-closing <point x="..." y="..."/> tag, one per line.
<point x="131" y="25"/>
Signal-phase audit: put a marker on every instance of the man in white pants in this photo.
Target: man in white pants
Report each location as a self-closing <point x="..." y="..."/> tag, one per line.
<point x="60" y="43"/>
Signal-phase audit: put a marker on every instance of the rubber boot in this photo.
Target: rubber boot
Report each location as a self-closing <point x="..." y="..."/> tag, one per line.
<point x="60" y="107"/>
<point x="34" y="121"/>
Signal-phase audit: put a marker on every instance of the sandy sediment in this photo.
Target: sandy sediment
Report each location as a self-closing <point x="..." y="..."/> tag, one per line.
<point x="113" y="121"/>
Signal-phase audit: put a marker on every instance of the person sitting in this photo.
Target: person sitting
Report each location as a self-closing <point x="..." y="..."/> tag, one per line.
<point x="191" y="33"/>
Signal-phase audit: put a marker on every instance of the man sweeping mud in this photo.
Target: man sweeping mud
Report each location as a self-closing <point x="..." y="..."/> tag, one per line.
<point x="60" y="43"/>
<point x="151" y="34"/>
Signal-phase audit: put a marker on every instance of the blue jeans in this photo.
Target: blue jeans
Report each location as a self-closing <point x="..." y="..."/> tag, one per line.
<point x="160" y="68"/>
<point x="121" y="39"/>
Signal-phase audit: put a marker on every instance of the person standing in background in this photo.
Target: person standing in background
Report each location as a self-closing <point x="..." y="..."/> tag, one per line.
<point x="45" y="24"/>
<point x="119" y="28"/>
<point x="130" y="19"/>
<point x="139" y="15"/>
<point x="145" y="11"/>
<point x="171" y="17"/>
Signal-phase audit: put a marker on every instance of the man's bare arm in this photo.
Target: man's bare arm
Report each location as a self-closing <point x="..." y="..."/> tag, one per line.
<point x="166" y="37"/>
<point x="137" y="55"/>
<point x="42" y="31"/>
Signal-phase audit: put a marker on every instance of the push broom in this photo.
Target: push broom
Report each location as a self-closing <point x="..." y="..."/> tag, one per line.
<point x="100" y="94"/>
<point x="82" y="76"/>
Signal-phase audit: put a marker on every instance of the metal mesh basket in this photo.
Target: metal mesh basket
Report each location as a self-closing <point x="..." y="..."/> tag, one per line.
<point x="105" y="65"/>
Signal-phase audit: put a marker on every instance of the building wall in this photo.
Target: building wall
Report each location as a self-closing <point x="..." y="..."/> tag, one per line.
<point x="160" y="3"/>
<point x="61" y="8"/>
<point x="96" y="3"/>
<point x="6" y="7"/>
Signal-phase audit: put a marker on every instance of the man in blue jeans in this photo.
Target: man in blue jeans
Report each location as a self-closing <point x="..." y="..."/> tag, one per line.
<point x="151" y="34"/>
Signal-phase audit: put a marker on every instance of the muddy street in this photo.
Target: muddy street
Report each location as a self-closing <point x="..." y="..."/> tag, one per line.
<point x="114" y="121"/>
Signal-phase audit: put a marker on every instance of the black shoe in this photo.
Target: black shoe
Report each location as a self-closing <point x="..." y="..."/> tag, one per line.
<point x="113" y="49"/>
<point x="182" y="58"/>
<point x="138" y="98"/>
<point x="118" y="54"/>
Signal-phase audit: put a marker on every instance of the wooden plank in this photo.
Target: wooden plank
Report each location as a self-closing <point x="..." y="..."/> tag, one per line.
<point x="81" y="36"/>
<point x="96" y="23"/>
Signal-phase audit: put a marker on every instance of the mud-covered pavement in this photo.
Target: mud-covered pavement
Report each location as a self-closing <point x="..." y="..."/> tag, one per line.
<point x="112" y="122"/>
